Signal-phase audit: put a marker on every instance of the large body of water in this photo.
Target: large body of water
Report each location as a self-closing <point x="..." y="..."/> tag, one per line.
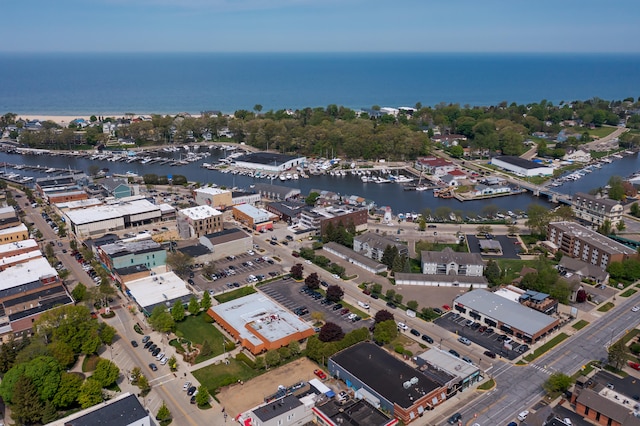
<point x="101" y="84"/>
<point x="391" y="195"/>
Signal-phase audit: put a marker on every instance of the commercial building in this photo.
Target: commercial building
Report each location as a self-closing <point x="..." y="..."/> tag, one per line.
<point x="595" y="211"/>
<point x="352" y="412"/>
<point x="507" y="316"/>
<point x="8" y="217"/>
<point x="78" y="204"/>
<point x="355" y="258"/>
<point x="227" y="242"/>
<point x="18" y="252"/>
<point x="245" y="197"/>
<point x="26" y="291"/>
<point x="123" y="254"/>
<point x="259" y="324"/>
<point x="580" y="242"/>
<point x="340" y="214"/>
<point x="15" y="233"/>
<point x="160" y="289"/>
<point x="460" y="374"/>
<point x="287" y="410"/>
<point x="521" y="167"/>
<point x="217" y="198"/>
<point x="96" y="221"/>
<point x="387" y="382"/>
<point x="569" y="266"/>
<point x="449" y="262"/>
<point x="268" y="161"/>
<point x="276" y="192"/>
<point x="253" y="217"/>
<point x="373" y="245"/>
<point x="436" y="166"/>
<point x="195" y="222"/>
<point x="439" y="280"/>
<point x="119" y="187"/>
<point x="123" y="410"/>
<point x="604" y="405"/>
<point x="286" y="211"/>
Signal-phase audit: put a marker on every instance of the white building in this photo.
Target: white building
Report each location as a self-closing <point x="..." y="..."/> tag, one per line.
<point x="160" y="289"/>
<point x="521" y="167"/>
<point x="595" y="211"/>
<point x="198" y="221"/>
<point x="269" y="162"/>
<point x="449" y="262"/>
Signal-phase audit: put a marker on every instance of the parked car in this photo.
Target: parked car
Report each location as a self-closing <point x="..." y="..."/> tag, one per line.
<point x="145" y="339"/>
<point x="402" y="326"/>
<point x="186" y="386"/>
<point x="134" y="343"/>
<point x="414" y="332"/>
<point x="464" y="341"/>
<point x="454" y="419"/>
<point x="191" y="390"/>
<point x="454" y="353"/>
<point x="489" y="354"/>
<point x="320" y="374"/>
<point x="153" y="367"/>
<point x="427" y="339"/>
<point x="523" y="415"/>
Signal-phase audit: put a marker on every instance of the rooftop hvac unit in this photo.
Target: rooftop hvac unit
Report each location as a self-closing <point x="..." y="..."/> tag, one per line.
<point x="406" y="384"/>
<point x="414" y="380"/>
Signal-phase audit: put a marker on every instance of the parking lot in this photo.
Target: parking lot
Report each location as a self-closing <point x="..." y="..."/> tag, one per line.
<point x="488" y="338"/>
<point x="236" y="271"/>
<point x="287" y="292"/>
<point x="510" y="250"/>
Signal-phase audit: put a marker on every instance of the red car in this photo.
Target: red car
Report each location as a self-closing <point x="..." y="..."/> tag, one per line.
<point x="634" y="365"/>
<point x="446" y="307"/>
<point x="320" y="374"/>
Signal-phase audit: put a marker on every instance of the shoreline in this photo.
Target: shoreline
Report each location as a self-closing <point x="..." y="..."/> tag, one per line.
<point x="65" y="119"/>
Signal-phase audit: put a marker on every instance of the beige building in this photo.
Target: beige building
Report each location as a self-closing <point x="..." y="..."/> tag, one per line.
<point x="595" y="211"/>
<point x="195" y="222"/>
<point x="15" y="233"/>
<point x="213" y="197"/>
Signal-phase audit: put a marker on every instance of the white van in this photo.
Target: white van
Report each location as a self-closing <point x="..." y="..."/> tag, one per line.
<point x="363" y="305"/>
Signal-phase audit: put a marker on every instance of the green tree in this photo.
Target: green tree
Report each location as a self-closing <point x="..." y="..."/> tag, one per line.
<point x="413" y="305"/>
<point x="513" y="229"/>
<point x="390" y="294"/>
<point x="312" y="198"/>
<point x="563" y="213"/>
<point x="194" y="306"/>
<point x="26" y="406"/>
<point x="202" y="398"/>
<point x="539" y="219"/>
<point x="621" y="226"/>
<point x="161" y="319"/>
<point x="397" y="298"/>
<point x="205" y="302"/>
<point x="106" y="333"/>
<point x="618" y="353"/>
<point x="296" y="271"/>
<point x="492" y="272"/>
<point x="272" y="359"/>
<point x="376" y="288"/>
<point x="49" y="413"/>
<point x="68" y="390"/>
<point x="90" y="393"/>
<point x="557" y="382"/>
<point x="177" y="311"/>
<point x="63" y="353"/>
<point x="635" y="209"/>
<point x="294" y="347"/>
<point x="616" y="190"/>
<point x="143" y="383"/>
<point x="106" y="373"/>
<point x="312" y="281"/>
<point x="164" y="414"/>
<point x="605" y="228"/>
<point x="79" y="292"/>
<point x="456" y="151"/>
<point x="385" y="331"/>
<point x="173" y="363"/>
<point x="259" y="363"/>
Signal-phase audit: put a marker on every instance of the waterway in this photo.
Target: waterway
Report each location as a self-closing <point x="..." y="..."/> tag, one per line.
<point x="388" y="194"/>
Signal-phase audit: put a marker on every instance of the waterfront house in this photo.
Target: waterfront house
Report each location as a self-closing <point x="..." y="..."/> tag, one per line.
<point x="578" y="155"/>
<point x="435" y="165"/>
<point x="483" y="190"/>
<point x="448" y="140"/>
<point x="595" y="211"/>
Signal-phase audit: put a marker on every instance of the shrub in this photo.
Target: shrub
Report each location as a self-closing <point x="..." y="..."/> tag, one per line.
<point x="635" y="348"/>
<point x="241" y="357"/>
<point x="399" y="349"/>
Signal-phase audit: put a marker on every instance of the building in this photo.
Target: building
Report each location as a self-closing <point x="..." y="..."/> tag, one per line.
<point x="387" y="382"/>
<point x="253" y="217"/>
<point x="586" y="271"/>
<point x="595" y="211"/>
<point x="288" y="410"/>
<point x="602" y="405"/>
<point x="521" y="167"/>
<point x="195" y="222"/>
<point x="373" y="245"/>
<point x="18" y="252"/>
<point x="259" y="324"/>
<point x="123" y="254"/>
<point x="355" y="258"/>
<point x="449" y="262"/>
<point x="436" y="166"/>
<point x="64" y="195"/>
<point x="268" y="161"/>
<point x="276" y="192"/>
<point x="119" y="188"/>
<point x="481" y="189"/>
<point x="75" y="180"/>
<point x="438" y="280"/>
<point x="460" y="374"/>
<point x="97" y="221"/>
<point x="287" y="211"/>
<point x="580" y="242"/>
<point x="15" y="233"/>
<point x="160" y="289"/>
<point x="505" y="315"/>
<point x="217" y="198"/>
<point x="245" y="197"/>
<point x="123" y="410"/>
<point x="26" y="291"/>
<point x="346" y="215"/>
<point x="78" y="204"/>
<point x="9" y="217"/>
<point x="227" y="242"/>
<point x="353" y="412"/>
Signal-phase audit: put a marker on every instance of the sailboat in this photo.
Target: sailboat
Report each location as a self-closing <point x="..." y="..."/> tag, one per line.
<point x="421" y="187"/>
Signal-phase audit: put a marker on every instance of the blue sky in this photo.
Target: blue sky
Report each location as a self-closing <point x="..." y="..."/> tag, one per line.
<point x="320" y="26"/>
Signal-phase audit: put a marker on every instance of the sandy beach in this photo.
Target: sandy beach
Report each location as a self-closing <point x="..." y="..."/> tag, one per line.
<point x="64" y="120"/>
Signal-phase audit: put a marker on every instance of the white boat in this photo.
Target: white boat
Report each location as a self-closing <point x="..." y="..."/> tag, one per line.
<point x="606" y="160"/>
<point x="403" y="179"/>
<point x="382" y="180"/>
<point x="283" y="177"/>
<point x="27" y="179"/>
<point x="365" y="179"/>
<point x="618" y="156"/>
<point x="288" y="176"/>
<point x="452" y="216"/>
<point x="421" y="188"/>
<point x="296" y="176"/>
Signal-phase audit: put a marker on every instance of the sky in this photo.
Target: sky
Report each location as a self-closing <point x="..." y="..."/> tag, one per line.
<point x="572" y="26"/>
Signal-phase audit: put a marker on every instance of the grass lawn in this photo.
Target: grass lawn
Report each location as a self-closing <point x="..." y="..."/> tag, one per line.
<point x="235" y="294"/>
<point x="489" y="384"/>
<point x="606" y="307"/>
<point x="580" y="324"/>
<point x="217" y="376"/>
<point x="546" y="347"/>
<point x="514" y="267"/>
<point x="90" y="362"/>
<point x="197" y="330"/>
<point x="629" y="292"/>
<point x="600" y="131"/>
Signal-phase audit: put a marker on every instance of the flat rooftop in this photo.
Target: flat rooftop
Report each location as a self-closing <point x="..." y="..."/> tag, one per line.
<point x="520" y="162"/>
<point x="20" y="228"/>
<point x="593" y="238"/>
<point x="384" y="373"/>
<point x="29" y="244"/>
<point x="27" y="272"/>
<point x="200" y="212"/>
<point x="266" y="158"/>
<point x="111" y="211"/>
<point x="122" y="248"/>
<point x="504" y="310"/>
<point x="226" y="235"/>
<point x="79" y="204"/>
<point x="211" y="190"/>
<point x="155" y="289"/>
<point x="255" y="213"/>
<point x="258" y="314"/>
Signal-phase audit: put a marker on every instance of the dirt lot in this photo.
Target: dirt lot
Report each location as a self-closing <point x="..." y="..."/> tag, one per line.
<point x="239" y="398"/>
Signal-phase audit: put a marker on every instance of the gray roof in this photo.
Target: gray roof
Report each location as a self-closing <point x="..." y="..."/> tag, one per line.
<point x="520" y="162"/>
<point x="608" y="408"/>
<point x="121" y="248"/>
<point x="595" y="203"/>
<point x="111" y="183"/>
<point x="448" y="255"/>
<point x="277" y="408"/>
<point x="490" y="245"/>
<point x="379" y="241"/>
<point x="603" y="243"/>
<point x="351" y="254"/>
<point x="506" y="311"/>
<point x="582" y="268"/>
<point x="123" y="412"/>
<point x="276" y="191"/>
<point x="426" y="278"/>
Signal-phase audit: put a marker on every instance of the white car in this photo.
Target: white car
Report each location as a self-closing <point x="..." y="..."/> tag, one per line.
<point x="523" y="415"/>
<point x="186" y="386"/>
<point x="635" y="309"/>
<point x="164" y="361"/>
<point x="402" y="326"/>
<point x="160" y="356"/>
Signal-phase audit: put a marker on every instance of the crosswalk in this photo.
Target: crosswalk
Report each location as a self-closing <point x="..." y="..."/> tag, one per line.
<point x="543" y="369"/>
